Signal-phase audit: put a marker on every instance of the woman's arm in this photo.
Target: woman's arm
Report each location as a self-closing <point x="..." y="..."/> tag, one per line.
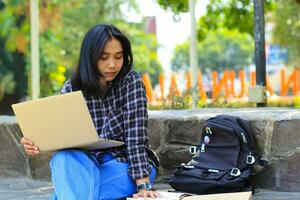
<point x="135" y="117"/>
<point x="135" y="129"/>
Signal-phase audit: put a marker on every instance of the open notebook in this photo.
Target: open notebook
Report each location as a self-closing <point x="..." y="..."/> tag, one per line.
<point x="164" y="195"/>
<point x="59" y="122"/>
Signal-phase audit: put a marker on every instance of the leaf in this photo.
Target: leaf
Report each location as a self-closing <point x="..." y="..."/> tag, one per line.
<point x="7" y="84"/>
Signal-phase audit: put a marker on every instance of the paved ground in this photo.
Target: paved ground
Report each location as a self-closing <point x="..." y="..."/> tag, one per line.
<point x="27" y="189"/>
<point x="24" y="189"/>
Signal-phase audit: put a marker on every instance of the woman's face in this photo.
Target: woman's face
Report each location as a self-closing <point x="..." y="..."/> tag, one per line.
<point x="110" y="61"/>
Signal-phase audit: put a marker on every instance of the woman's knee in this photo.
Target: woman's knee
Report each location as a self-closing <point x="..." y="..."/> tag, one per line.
<point x="61" y="156"/>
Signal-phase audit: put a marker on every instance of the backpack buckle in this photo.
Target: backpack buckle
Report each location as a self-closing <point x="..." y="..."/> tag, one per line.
<point x="193" y="150"/>
<point x="208" y="130"/>
<point x="250" y="160"/>
<point x="235" y="172"/>
<point x="202" y="148"/>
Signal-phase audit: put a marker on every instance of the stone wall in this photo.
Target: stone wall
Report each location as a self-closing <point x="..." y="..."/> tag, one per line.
<point x="14" y="162"/>
<point x="173" y="132"/>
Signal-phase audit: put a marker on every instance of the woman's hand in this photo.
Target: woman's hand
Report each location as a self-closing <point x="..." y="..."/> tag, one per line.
<point x="146" y="193"/>
<point x="29" y="147"/>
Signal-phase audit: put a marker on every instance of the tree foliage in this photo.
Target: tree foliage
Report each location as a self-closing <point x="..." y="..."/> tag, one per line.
<point x="175" y="6"/>
<point x="287" y="28"/>
<point x="12" y="60"/>
<point x="62" y="27"/>
<point x="221" y="49"/>
<point x="234" y="49"/>
<point x="230" y="14"/>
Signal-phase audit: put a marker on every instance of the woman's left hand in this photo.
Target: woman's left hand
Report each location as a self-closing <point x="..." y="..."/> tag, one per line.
<point x="146" y="193"/>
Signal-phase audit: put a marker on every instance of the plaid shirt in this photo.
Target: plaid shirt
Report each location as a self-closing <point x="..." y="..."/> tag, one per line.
<point x="122" y="115"/>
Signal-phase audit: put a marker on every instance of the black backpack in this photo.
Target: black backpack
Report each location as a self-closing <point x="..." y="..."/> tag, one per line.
<point x="222" y="162"/>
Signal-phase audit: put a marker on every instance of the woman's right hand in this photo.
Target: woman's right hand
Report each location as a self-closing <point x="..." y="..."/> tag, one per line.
<point x="29" y="146"/>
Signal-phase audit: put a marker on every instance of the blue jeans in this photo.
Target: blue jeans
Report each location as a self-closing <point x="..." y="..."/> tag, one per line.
<point x="76" y="175"/>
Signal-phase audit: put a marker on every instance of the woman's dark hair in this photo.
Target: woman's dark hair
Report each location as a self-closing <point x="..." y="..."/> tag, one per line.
<point x="86" y="77"/>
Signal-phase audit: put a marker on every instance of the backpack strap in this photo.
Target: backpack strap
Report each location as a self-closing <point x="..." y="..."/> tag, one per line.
<point x="258" y="162"/>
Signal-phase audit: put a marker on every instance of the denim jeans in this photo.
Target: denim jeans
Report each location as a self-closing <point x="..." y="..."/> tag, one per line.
<point x="79" y="176"/>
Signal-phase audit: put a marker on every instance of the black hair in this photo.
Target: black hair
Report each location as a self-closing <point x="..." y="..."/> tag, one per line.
<point x="86" y="77"/>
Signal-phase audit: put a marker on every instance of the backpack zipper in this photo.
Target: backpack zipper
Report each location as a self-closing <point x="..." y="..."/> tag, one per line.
<point x="244" y="137"/>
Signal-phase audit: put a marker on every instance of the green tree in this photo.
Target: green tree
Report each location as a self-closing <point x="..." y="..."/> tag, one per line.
<point x="144" y="49"/>
<point x="230" y="14"/>
<point x="176" y="6"/>
<point x="180" y="58"/>
<point x="287" y="28"/>
<point x="12" y="60"/>
<point x="222" y="49"/>
<point x="62" y="27"/>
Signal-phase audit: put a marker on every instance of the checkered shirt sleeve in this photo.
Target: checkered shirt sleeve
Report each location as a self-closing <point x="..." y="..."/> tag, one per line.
<point x="135" y="126"/>
<point x="67" y="87"/>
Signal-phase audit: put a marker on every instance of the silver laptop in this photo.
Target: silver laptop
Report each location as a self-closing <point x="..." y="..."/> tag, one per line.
<point x="59" y="122"/>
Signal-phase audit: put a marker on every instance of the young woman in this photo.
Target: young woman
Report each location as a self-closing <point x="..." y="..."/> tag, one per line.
<point x="116" y="99"/>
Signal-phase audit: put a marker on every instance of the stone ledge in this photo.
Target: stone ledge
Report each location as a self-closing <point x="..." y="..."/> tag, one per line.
<point x="172" y="132"/>
<point x="19" y="188"/>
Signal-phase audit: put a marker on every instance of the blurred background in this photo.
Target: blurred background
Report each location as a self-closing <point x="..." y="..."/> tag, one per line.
<point x="159" y="31"/>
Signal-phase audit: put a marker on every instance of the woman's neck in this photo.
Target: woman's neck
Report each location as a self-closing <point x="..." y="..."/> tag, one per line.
<point x="103" y="84"/>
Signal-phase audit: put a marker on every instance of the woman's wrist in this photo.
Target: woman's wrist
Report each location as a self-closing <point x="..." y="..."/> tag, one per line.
<point x="144" y="186"/>
<point x="143" y="183"/>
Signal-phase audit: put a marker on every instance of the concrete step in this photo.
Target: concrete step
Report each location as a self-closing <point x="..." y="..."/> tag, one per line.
<point x="24" y="189"/>
<point x="171" y="133"/>
<point x="28" y="189"/>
